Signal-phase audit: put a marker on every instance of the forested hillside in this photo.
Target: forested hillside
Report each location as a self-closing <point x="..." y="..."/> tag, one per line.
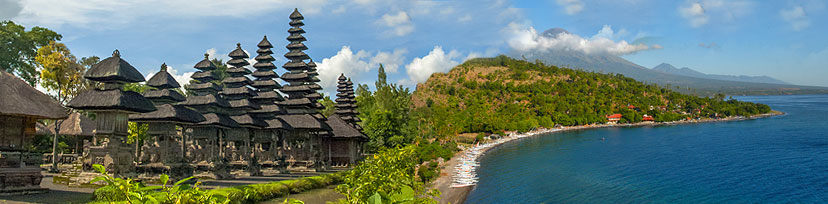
<point x="501" y="93"/>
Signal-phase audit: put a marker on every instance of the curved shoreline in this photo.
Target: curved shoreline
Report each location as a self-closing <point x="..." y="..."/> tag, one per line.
<point x="448" y="172"/>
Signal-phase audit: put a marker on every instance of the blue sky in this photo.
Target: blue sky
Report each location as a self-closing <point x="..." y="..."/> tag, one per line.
<point x="782" y="39"/>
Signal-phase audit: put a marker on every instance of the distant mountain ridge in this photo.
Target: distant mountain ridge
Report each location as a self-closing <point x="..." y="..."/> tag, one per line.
<point x="684" y="71"/>
<point x="607" y="63"/>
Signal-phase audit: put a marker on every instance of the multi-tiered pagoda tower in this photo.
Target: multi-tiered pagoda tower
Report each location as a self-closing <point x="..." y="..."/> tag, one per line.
<point x="112" y="106"/>
<point x="238" y="93"/>
<point x="266" y="144"/>
<point x="346" y="106"/>
<point x="204" y="150"/>
<point x="303" y="144"/>
<point x="163" y="151"/>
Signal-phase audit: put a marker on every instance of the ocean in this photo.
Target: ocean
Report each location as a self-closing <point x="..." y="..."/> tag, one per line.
<point x="781" y="159"/>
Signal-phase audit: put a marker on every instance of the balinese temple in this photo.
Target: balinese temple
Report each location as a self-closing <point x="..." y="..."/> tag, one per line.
<point x="344" y="141"/>
<point x="112" y="107"/>
<point x="163" y="151"/>
<point x="205" y="143"/>
<point x="20" y="107"/>
<point x="238" y="93"/>
<point x="266" y="145"/>
<point x="303" y="143"/>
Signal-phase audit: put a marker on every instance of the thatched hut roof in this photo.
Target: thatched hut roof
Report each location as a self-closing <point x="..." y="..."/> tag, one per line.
<point x="342" y="129"/>
<point x="295" y="15"/>
<point x="114" y="69"/>
<point x="164" y="95"/>
<point x="169" y="113"/>
<point x="114" y="99"/>
<point x="218" y="120"/>
<point x="238" y="52"/>
<point x="304" y="121"/>
<point x="246" y="120"/>
<point x="264" y="43"/>
<point x="163" y="79"/>
<point x="75" y="125"/>
<point x="205" y="64"/>
<point x="20" y="99"/>
<point x="277" y="124"/>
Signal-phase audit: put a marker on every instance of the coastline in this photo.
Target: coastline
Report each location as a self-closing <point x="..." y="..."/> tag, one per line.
<point x="450" y="193"/>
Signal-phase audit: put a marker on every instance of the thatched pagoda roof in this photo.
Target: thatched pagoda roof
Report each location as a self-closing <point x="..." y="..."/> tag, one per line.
<point x="264" y="43"/>
<point x="218" y="120"/>
<point x="295" y="15"/>
<point x="205" y="64"/>
<point x="249" y="121"/>
<point x="265" y="74"/>
<point x="238" y="52"/>
<point x="169" y="113"/>
<point x="342" y="129"/>
<point x="277" y="124"/>
<point x="206" y="100"/>
<point x="163" y="79"/>
<point x="114" y="99"/>
<point x="20" y="99"/>
<point x="114" y="69"/>
<point x="204" y="75"/>
<point x="304" y="121"/>
<point x="75" y="125"/>
<point x="164" y="94"/>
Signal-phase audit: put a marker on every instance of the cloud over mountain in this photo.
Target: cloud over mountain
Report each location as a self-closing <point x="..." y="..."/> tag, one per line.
<point x="529" y="40"/>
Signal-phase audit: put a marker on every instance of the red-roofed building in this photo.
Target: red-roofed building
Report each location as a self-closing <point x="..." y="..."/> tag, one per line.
<point x="647" y="118"/>
<point x="613" y="119"/>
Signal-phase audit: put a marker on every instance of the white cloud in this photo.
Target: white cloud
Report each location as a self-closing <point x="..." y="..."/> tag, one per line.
<point x="529" y="40"/>
<point x="357" y="65"/>
<point x="436" y="61"/>
<point x="700" y="13"/>
<point x="95" y="13"/>
<point x="571" y="7"/>
<point x="182" y="79"/>
<point x="796" y="16"/>
<point x="399" y="23"/>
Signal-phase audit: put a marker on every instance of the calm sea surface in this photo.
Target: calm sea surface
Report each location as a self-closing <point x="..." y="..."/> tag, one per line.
<point x="781" y="159"/>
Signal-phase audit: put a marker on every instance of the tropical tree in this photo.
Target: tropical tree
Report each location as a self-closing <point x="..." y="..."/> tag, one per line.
<point x="62" y="75"/>
<point x="385" y="113"/>
<point x="18" y="49"/>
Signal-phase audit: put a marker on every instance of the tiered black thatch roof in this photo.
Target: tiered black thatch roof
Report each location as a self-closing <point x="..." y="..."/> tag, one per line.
<point x="301" y="103"/>
<point x="205" y="99"/>
<point x="266" y="87"/>
<point x="19" y="99"/>
<point x="238" y="93"/>
<point x="113" y="72"/>
<point x="346" y="106"/>
<point x="163" y="97"/>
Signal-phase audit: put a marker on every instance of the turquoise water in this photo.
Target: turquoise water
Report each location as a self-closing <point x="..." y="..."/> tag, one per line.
<point x="781" y="159"/>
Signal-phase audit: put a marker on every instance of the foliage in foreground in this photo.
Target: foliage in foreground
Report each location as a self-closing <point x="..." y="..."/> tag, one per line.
<point x="129" y="191"/>
<point x="388" y="177"/>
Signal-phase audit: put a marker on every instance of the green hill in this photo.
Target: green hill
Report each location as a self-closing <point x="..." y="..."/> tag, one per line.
<point x="501" y="93"/>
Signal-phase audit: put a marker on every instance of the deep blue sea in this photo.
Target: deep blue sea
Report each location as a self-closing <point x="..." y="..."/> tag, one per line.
<point x="782" y="159"/>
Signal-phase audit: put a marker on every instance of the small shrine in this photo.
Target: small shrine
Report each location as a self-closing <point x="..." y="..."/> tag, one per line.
<point x="344" y="141"/>
<point x="267" y="144"/>
<point x="163" y="150"/>
<point x="112" y="107"/>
